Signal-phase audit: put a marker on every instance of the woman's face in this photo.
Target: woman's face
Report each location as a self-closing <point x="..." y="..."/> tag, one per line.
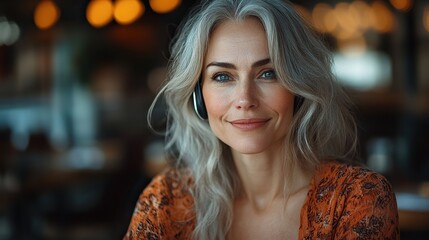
<point x="248" y="108"/>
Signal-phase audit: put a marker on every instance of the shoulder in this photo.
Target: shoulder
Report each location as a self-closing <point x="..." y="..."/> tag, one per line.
<point x="170" y="190"/>
<point x="165" y="207"/>
<point x="353" y="202"/>
<point x="348" y="171"/>
<point x="351" y="185"/>
<point x="172" y="183"/>
<point x="351" y="179"/>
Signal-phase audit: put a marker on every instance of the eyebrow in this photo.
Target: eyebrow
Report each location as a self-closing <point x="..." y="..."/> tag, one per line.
<point x="232" y="66"/>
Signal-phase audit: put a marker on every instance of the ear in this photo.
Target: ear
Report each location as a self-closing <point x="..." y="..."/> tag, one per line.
<point x="198" y="101"/>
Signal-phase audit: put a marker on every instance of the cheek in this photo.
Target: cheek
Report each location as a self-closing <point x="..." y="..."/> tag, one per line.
<point x="282" y="101"/>
<point x="215" y="104"/>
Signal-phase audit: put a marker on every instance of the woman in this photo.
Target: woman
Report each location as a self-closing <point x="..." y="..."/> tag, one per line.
<point x="261" y="135"/>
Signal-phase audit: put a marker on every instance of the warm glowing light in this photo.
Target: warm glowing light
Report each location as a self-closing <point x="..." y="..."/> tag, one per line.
<point x="127" y="11"/>
<point x="426" y="18"/>
<point x="349" y="31"/>
<point x="347" y="18"/>
<point x="164" y="6"/>
<point x="402" y="5"/>
<point x="323" y="19"/>
<point x="330" y="22"/>
<point x="99" y="12"/>
<point x="364" y="13"/>
<point x="46" y="14"/>
<point x="384" y="19"/>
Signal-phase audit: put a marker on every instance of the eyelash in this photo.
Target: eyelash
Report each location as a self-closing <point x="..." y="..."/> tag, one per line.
<point x="217" y="75"/>
<point x="271" y="71"/>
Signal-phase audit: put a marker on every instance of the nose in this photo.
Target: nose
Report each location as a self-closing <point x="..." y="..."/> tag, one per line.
<point x="246" y="96"/>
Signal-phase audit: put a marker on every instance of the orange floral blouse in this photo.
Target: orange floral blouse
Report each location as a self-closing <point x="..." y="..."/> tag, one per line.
<point x="343" y="202"/>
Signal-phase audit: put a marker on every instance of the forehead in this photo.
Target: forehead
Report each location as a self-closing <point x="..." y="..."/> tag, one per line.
<point x="237" y="37"/>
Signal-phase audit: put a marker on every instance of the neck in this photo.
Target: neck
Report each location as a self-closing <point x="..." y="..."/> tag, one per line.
<point x="263" y="179"/>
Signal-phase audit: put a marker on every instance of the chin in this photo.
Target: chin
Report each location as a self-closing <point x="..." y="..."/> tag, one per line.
<point x="249" y="148"/>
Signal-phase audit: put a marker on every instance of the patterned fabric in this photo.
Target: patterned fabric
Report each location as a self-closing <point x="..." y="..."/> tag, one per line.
<point x="164" y="210"/>
<point x="343" y="202"/>
<point x="346" y="202"/>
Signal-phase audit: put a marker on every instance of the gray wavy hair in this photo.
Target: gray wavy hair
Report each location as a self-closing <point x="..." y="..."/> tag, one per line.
<point x="323" y="128"/>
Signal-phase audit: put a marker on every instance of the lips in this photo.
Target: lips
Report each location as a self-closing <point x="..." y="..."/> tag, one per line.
<point x="249" y="124"/>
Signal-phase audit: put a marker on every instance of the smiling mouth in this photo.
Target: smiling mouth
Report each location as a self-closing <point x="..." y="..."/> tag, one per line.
<point x="249" y="124"/>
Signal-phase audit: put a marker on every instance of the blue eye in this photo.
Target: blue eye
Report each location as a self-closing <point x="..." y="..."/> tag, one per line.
<point x="221" y="77"/>
<point x="270" y="74"/>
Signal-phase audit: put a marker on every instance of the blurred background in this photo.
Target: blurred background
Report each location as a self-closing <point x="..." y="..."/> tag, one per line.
<point x="77" y="78"/>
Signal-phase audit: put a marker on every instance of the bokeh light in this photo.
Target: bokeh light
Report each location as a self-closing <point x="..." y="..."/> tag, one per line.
<point x="164" y="6"/>
<point x="322" y="16"/>
<point x="365" y="14"/>
<point x="402" y="5"/>
<point x="128" y="11"/>
<point x="99" y="12"/>
<point x="46" y="14"/>
<point x="347" y="19"/>
<point x="384" y="19"/>
<point x="9" y="32"/>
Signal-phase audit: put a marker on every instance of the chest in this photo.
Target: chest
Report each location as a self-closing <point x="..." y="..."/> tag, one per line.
<point x="257" y="227"/>
<point x="279" y="221"/>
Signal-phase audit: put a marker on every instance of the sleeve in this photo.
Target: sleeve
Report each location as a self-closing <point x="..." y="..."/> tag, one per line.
<point x="369" y="211"/>
<point x="146" y="220"/>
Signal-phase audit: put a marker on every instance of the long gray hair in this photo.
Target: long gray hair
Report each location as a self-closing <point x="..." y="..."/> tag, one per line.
<point x="323" y="128"/>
